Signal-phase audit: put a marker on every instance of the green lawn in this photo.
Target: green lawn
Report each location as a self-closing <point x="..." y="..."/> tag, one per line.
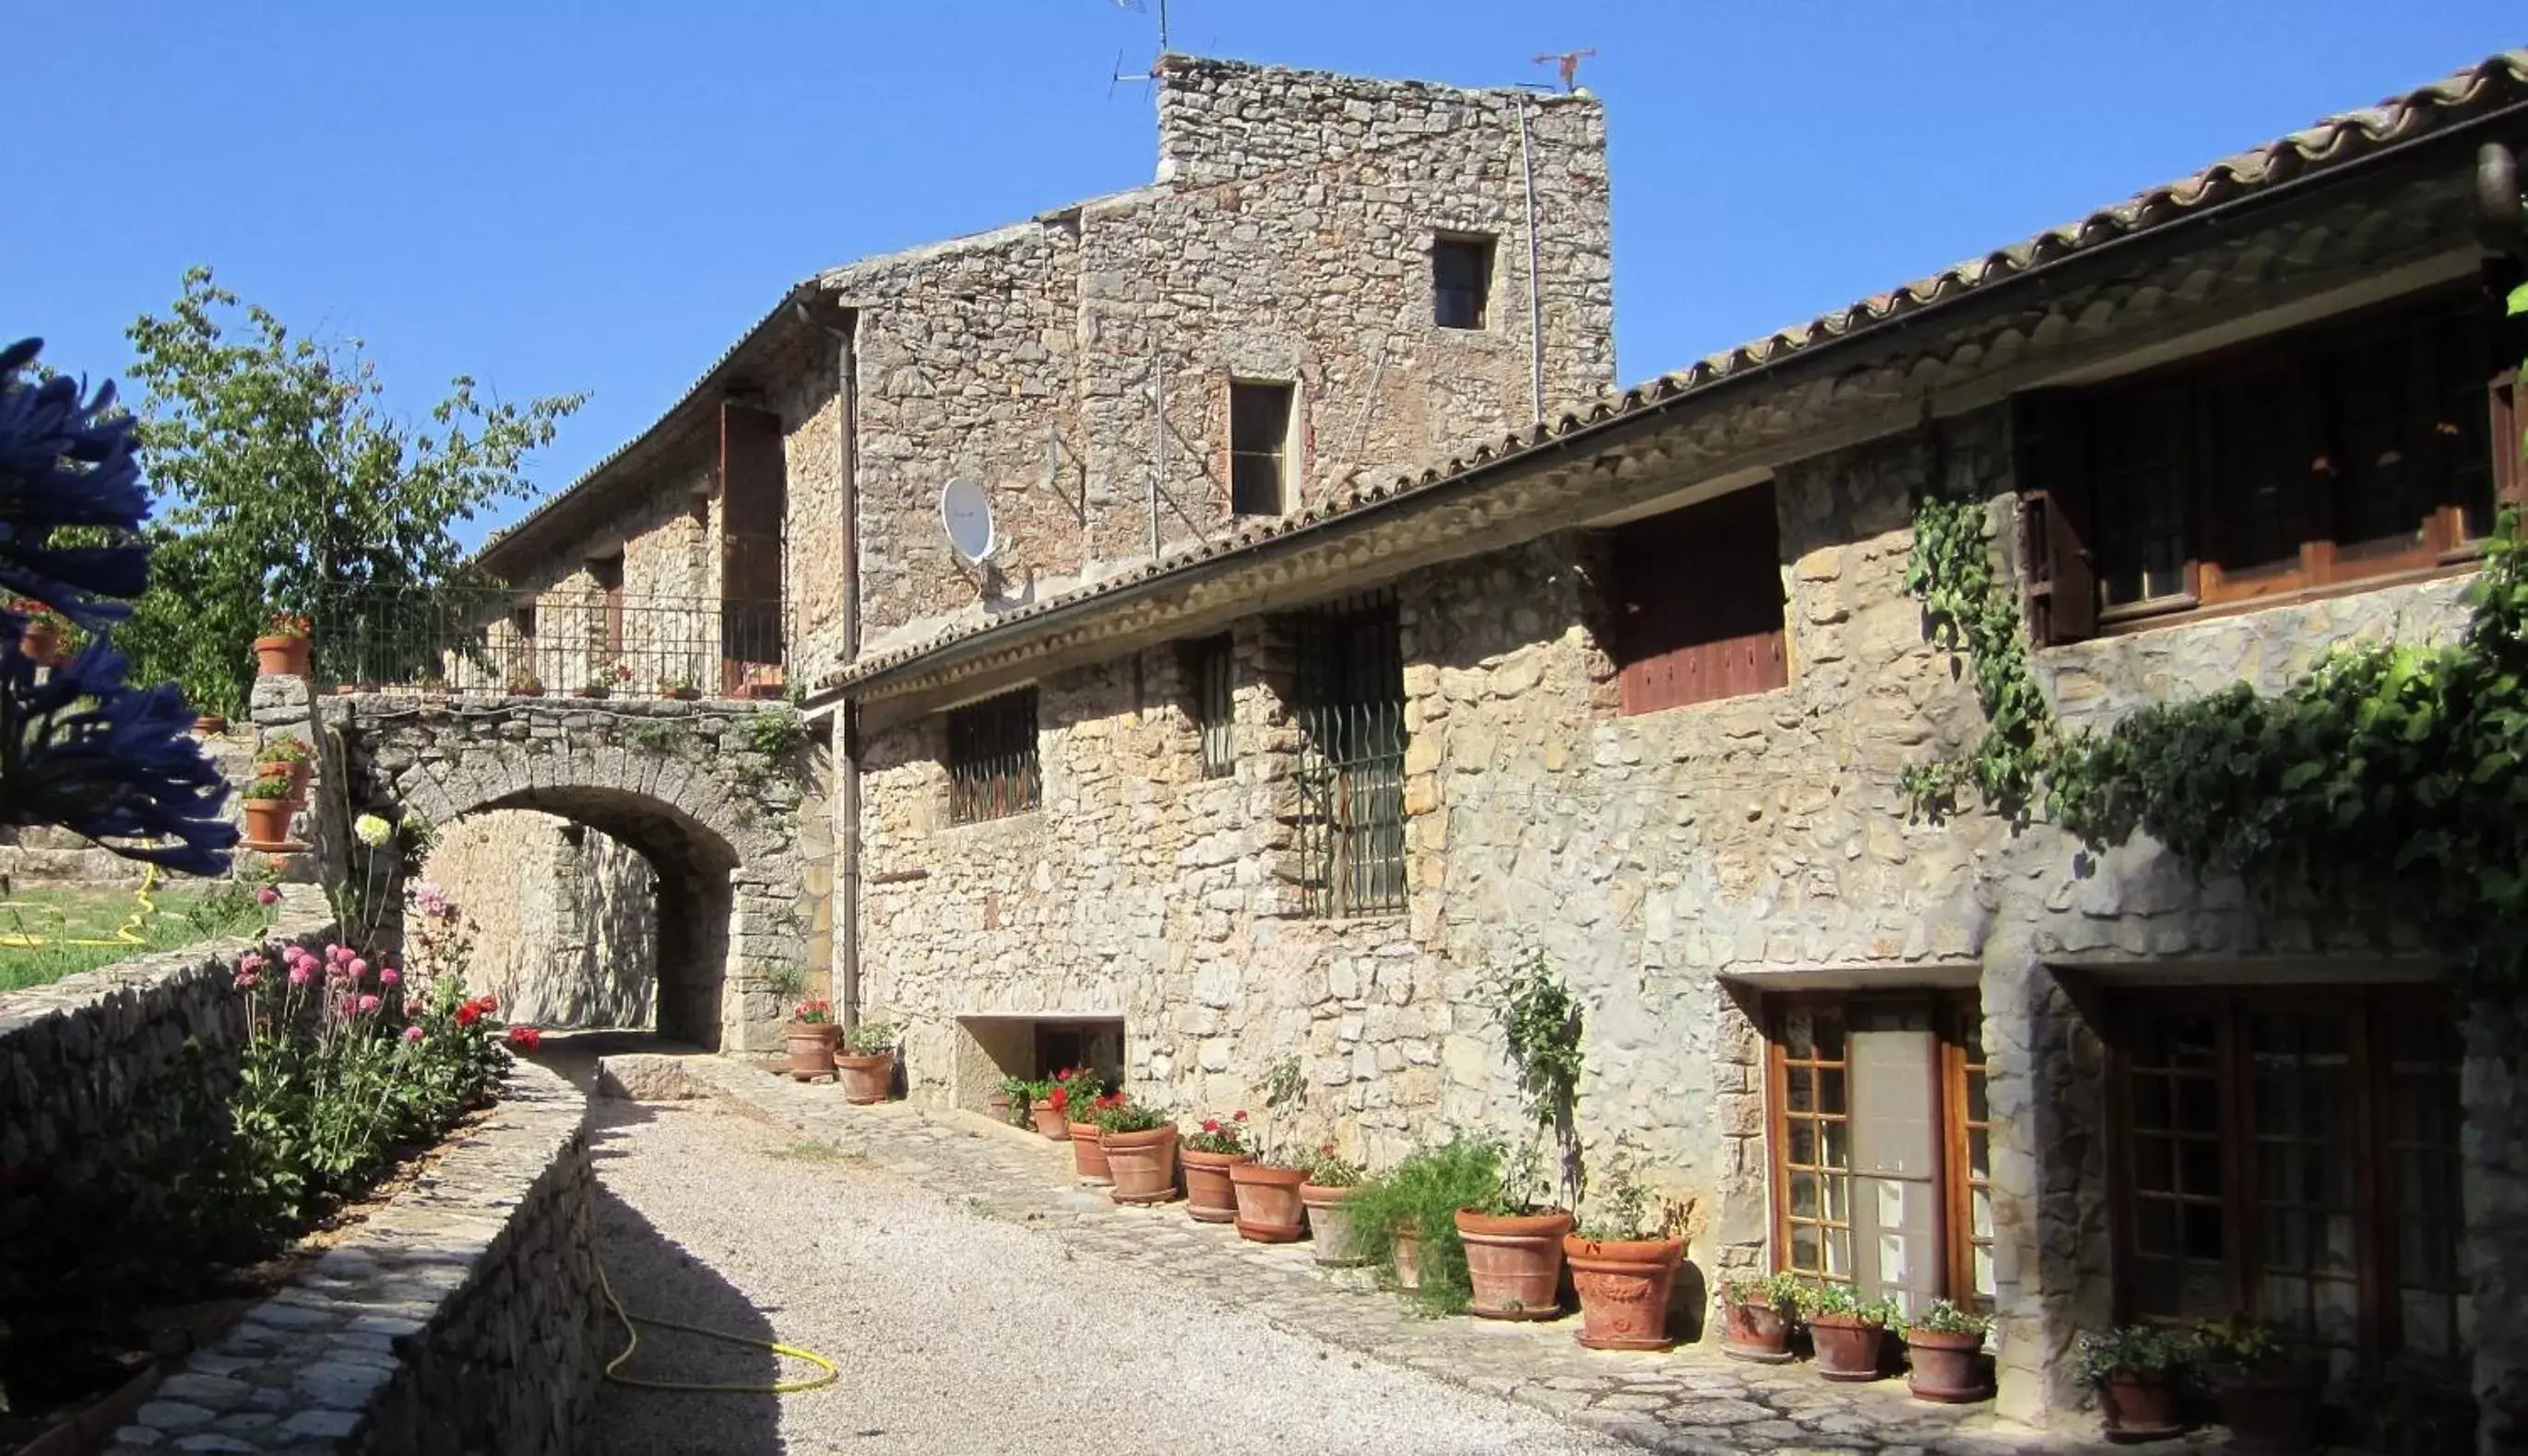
<point x="48" y="934"/>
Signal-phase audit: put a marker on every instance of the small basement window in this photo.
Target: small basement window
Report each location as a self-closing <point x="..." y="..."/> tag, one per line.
<point x="1259" y="448"/>
<point x="1461" y="282"/>
<point x="992" y="766"/>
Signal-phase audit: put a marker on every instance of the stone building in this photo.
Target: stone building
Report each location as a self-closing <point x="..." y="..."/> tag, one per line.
<point x="1634" y="690"/>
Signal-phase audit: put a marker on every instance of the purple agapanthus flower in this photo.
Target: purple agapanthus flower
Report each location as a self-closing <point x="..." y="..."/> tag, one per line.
<point x="67" y="462"/>
<point x="85" y="750"/>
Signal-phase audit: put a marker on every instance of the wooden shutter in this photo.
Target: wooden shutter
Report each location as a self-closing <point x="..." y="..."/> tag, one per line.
<point x="2054" y="512"/>
<point x="754" y="498"/>
<point x="2510" y="470"/>
<point x="1700" y="600"/>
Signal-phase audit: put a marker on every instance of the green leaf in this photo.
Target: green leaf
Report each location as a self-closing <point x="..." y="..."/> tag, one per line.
<point x="2519" y="300"/>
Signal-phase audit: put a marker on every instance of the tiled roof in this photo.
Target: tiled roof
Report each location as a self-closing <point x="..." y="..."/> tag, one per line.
<point x="2497" y="82"/>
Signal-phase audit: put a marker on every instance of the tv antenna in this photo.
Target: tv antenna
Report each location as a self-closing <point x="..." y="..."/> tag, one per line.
<point x="1568" y="64"/>
<point x="1138" y="7"/>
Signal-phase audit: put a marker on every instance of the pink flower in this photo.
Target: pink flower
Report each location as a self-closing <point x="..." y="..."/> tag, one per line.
<point x="332" y="951"/>
<point x="250" y="963"/>
<point x="267" y="895"/>
<point x="369" y="1004"/>
<point x="412" y="1035"/>
<point x="301" y="974"/>
<point x="389" y="976"/>
<point x="247" y="981"/>
<point x="337" y="955"/>
<point x="358" y="968"/>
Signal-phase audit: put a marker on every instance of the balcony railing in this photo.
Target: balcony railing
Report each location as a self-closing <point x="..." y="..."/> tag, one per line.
<point x="585" y="642"/>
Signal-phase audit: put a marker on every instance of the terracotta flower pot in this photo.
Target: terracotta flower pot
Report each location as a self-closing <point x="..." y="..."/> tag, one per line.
<point x="811" y="1049"/>
<point x="1756" y="1332"/>
<point x="1051" y="1123"/>
<point x="282" y="657"/>
<point x="40" y="644"/>
<point x="1515" y="1260"/>
<point x="998" y="1106"/>
<point x="2140" y="1405"/>
<point x="1847" y="1348"/>
<point x="1623" y="1285"/>
<point x="1330" y="1224"/>
<point x="210" y="725"/>
<point x="1209" y="1195"/>
<point x="867" y="1079"/>
<point x="1269" y="1211"/>
<point x="1088" y="1154"/>
<point x="2271" y="1415"/>
<point x="1143" y="1165"/>
<point x="1946" y="1368"/>
<point x="1406" y="1242"/>
<point x="267" y="822"/>
<point x="297" y="773"/>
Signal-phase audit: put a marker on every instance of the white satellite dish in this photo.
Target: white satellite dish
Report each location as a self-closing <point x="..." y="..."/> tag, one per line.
<point x="967" y="513"/>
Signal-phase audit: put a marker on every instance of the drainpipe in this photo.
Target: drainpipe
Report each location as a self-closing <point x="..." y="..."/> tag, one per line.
<point x="1535" y="298"/>
<point x="846" y="745"/>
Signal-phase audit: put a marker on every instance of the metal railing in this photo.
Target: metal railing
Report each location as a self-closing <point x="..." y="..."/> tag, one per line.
<point x="993" y="770"/>
<point x="586" y="642"/>
<point x="1351" y="759"/>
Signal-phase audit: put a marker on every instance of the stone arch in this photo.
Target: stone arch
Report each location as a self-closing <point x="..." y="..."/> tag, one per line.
<point x="681" y="784"/>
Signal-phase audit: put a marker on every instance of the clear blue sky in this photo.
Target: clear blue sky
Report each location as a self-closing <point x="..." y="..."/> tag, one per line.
<point x="602" y="196"/>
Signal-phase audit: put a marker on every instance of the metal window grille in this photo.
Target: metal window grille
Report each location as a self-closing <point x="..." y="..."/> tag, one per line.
<point x="1259" y="436"/>
<point x="1215" y="682"/>
<point x="1461" y="282"/>
<point x="992" y="769"/>
<point x="1351" y="695"/>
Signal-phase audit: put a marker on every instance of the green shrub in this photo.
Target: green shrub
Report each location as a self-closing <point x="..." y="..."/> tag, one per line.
<point x="1424" y="1193"/>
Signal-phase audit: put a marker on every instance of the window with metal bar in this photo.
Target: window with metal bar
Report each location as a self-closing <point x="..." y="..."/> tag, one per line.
<point x="1213" y="664"/>
<point x="1351" y="695"/>
<point x="1259" y="444"/>
<point x="1461" y="282"/>
<point x="992" y="769"/>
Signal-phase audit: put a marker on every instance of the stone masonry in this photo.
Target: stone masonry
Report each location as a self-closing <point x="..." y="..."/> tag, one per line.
<point x="565" y="917"/>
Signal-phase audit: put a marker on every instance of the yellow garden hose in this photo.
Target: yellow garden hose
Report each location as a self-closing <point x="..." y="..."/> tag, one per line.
<point x="126" y="934"/>
<point x="632" y="1343"/>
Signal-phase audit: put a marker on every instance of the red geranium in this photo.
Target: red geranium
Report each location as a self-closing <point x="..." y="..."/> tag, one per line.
<point x="525" y="1038"/>
<point x="468" y="1014"/>
<point x="1060" y="1098"/>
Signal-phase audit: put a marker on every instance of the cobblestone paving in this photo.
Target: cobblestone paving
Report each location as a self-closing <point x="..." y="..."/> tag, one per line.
<point x="1691" y="1400"/>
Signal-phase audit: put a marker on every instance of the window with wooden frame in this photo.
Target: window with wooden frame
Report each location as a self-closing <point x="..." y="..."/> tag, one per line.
<point x="993" y="767"/>
<point x="1879" y="1144"/>
<point x="1697" y="603"/>
<point x="2346" y="451"/>
<point x="1212" y="664"/>
<point x="2292" y="1152"/>
<point x="1259" y="448"/>
<point x="1461" y="282"/>
<point x="1349" y="695"/>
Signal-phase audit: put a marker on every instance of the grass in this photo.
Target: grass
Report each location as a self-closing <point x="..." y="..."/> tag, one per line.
<point x="48" y="934"/>
<point x="812" y="1150"/>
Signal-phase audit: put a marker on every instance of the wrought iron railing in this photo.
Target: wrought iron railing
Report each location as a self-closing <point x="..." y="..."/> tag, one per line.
<point x="993" y="770"/>
<point x="585" y="642"/>
<point x="1351" y="759"/>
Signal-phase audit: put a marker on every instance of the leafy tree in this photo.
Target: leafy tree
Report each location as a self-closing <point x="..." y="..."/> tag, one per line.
<point x="285" y="485"/>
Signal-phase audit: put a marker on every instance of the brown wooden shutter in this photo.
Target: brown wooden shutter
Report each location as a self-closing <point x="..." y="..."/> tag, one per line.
<point x="2054" y="511"/>
<point x="754" y="498"/>
<point x="2510" y="469"/>
<point x="1698" y="598"/>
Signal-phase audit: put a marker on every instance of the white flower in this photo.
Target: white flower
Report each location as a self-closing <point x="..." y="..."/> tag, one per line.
<point x="371" y="830"/>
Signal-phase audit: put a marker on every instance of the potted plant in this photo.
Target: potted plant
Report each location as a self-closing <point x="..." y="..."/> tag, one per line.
<point x="1008" y="1101"/>
<point x="677" y="689"/>
<point x="1624" y="1260"/>
<point x="2268" y="1388"/>
<point x="1331" y="1181"/>
<point x="211" y="725"/>
<point x="1404" y="1220"/>
<point x="1756" y="1318"/>
<point x="1848" y="1331"/>
<point x="868" y="1061"/>
<point x="525" y="684"/>
<point x="40" y="642"/>
<point x="1269" y="1211"/>
<point x="289" y="759"/>
<point x="285" y="648"/>
<point x="1514" y="1240"/>
<point x="1075" y="1091"/>
<point x="1045" y="1113"/>
<point x="1944" y="1354"/>
<point x="1141" y="1145"/>
<point x="811" y="1037"/>
<point x="1208" y="1155"/>
<point x="268" y="808"/>
<point x="2134" y="1367"/>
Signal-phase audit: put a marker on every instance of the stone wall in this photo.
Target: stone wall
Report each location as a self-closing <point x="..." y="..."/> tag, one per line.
<point x="464" y="1317"/>
<point x="104" y="1078"/>
<point x="1674" y="866"/>
<point x="565" y="917"/>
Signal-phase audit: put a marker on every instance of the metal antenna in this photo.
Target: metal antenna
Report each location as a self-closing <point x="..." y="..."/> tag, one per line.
<point x="1568" y="64"/>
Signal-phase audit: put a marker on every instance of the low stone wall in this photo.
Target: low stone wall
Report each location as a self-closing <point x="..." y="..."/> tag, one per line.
<point x="104" y="1075"/>
<point x="463" y="1317"/>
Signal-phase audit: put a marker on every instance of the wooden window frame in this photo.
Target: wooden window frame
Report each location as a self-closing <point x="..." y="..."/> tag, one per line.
<point x="2059" y="499"/>
<point x="1697" y="609"/>
<point x="1951" y="1013"/>
<point x="2381" y="1315"/>
<point x="1282" y="456"/>
<point x="1349" y="704"/>
<point x="991" y="756"/>
<point x="1484" y="253"/>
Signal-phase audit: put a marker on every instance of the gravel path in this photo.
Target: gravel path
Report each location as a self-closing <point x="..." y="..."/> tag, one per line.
<point x="956" y="1333"/>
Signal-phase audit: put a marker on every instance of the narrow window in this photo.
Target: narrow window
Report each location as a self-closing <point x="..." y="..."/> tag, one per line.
<point x="1698" y="604"/>
<point x="2294" y="1153"/>
<point x="1259" y="443"/>
<point x="992" y="769"/>
<point x="607" y="574"/>
<point x="1351" y="695"/>
<point x="1213" y="664"/>
<point x="1461" y="282"/>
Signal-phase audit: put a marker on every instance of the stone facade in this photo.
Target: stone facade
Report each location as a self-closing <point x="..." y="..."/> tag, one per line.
<point x="464" y="1317"/>
<point x="565" y="917"/>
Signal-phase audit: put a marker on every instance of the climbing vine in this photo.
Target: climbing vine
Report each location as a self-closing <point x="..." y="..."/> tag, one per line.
<point x="2392" y="773"/>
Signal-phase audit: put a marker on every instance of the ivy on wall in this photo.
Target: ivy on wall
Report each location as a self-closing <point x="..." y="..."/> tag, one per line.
<point x="2398" y="773"/>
